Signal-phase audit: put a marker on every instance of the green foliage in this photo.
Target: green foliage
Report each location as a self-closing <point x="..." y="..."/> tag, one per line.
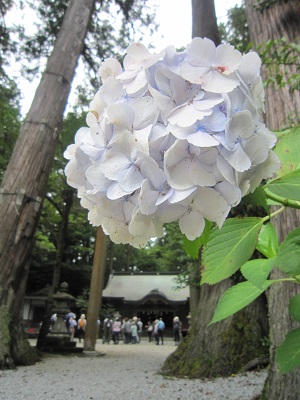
<point x="236" y="298"/>
<point x="288" y="257"/>
<point x="288" y="353"/>
<point x="240" y="236"/>
<point x="288" y="150"/>
<point x="281" y="60"/>
<point x="267" y="243"/>
<point x="82" y="301"/>
<point x="257" y="271"/>
<point x="257" y="198"/>
<point x="63" y="237"/>
<point x="230" y="248"/>
<point x="286" y="187"/>
<point x="9" y="121"/>
<point x="192" y="247"/>
<point x="236" y="31"/>
<point x="294" y="307"/>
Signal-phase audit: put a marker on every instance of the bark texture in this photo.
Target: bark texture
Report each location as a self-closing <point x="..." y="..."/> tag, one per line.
<point x="25" y="180"/>
<point x="225" y="347"/>
<point x="204" y="21"/>
<point x="281" y="20"/>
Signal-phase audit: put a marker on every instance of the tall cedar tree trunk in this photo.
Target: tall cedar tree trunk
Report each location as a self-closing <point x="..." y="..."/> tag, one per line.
<point x="281" y="20"/>
<point x="25" y="181"/>
<point x="223" y="348"/>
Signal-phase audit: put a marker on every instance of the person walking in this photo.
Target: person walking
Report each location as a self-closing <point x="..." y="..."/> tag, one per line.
<point x="176" y="330"/>
<point x="134" y="334"/>
<point x="107" y="330"/>
<point x="127" y="331"/>
<point x="160" y="331"/>
<point x="72" y="328"/>
<point x="116" y="329"/>
<point x="81" y="324"/>
<point x="140" y="329"/>
<point x="149" y="328"/>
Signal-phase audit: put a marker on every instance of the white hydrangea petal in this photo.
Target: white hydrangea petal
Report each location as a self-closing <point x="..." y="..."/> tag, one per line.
<point x="121" y="115"/>
<point x="202" y="139"/>
<point x="115" y="192"/>
<point x="145" y="112"/>
<point x="201" y="52"/>
<point x="187" y="115"/>
<point x="238" y="159"/>
<point x="227" y="59"/>
<point x="257" y="150"/>
<point x="219" y="83"/>
<point x="109" y="68"/>
<point x="192" y="225"/>
<point x="147" y="198"/>
<point x="226" y="169"/>
<point x="211" y="204"/>
<point x="230" y="192"/>
<point x="96" y="177"/>
<point x="130" y="179"/>
<point x="249" y="67"/>
<point x="180" y="195"/>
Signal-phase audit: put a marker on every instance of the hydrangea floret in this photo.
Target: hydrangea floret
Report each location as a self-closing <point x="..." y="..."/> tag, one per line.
<point x="174" y="136"/>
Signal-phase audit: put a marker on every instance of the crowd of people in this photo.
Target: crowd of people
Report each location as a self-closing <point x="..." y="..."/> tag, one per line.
<point x="129" y="331"/>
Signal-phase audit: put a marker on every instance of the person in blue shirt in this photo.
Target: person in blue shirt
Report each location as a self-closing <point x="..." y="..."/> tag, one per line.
<point x="160" y="331"/>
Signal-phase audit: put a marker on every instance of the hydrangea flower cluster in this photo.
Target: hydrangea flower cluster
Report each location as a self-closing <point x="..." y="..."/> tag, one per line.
<point x="174" y="136"/>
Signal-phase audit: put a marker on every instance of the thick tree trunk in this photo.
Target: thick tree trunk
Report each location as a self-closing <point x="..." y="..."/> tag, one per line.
<point x="25" y="181"/>
<point x="281" y="20"/>
<point x="204" y="20"/>
<point x="225" y="347"/>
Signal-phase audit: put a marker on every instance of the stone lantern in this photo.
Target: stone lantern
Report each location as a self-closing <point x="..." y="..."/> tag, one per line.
<point x="59" y="338"/>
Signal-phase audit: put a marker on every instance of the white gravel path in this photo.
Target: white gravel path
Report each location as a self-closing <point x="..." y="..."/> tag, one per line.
<point x="125" y="371"/>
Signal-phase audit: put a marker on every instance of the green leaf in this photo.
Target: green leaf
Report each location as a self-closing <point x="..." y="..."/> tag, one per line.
<point x="288" y="151"/>
<point x="288" y="353"/>
<point x="257" y="198"/>
<point x="257" y="271"/>
<point x="229" y="248"/>
<point x="236" y="298"/>
<point x="294" y="307"/>
<point x="191" y="247"/>
<point x="287" y="187"/>
<point x="267" y="242"/>
<point x="288" y="257"/>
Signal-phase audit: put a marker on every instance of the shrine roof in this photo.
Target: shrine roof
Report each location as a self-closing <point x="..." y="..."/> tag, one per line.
<point x="136" y="287"/>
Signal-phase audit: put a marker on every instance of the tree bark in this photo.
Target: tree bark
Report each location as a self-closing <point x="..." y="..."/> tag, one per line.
<point x="281" y="20"/>
<point x="204" y="21"/>
<point x="224" y="348"/>
<point x="95" y="297"/>
<point x="25" y="180"/>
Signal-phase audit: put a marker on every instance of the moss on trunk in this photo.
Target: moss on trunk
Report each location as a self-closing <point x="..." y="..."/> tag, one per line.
<point x="15" y="348"/>
<point x="219" y="350"/>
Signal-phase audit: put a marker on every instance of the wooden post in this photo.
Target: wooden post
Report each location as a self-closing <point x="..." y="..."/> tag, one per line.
<point x="96" y="287"/>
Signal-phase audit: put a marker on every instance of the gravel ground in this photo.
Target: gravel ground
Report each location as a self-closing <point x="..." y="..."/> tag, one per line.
<point x="129" y="370"/>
